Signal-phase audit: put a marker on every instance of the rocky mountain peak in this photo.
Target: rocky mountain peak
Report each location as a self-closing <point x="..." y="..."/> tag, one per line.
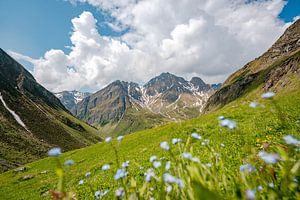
<point x="199" y="84"/>
<point x="70" y="98"/>
<point x="164" y="82"/>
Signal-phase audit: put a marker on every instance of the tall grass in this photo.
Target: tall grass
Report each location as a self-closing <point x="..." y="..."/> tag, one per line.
<point x="270" y="171"/>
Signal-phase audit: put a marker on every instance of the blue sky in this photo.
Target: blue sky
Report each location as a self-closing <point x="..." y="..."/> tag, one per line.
<point x="33" y="27"/>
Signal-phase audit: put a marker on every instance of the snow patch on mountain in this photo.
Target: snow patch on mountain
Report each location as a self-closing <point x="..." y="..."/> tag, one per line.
<point x="13" y="113"/>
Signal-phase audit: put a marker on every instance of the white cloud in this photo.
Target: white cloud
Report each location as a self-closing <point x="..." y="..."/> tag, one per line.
<point x="207" y="38"/>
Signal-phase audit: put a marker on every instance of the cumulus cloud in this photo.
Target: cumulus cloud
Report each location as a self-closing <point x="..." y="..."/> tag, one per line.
<point x="206" y="38"/>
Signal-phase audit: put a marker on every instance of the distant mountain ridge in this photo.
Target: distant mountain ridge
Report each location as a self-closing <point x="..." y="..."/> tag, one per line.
<point x="164" y="98"/>
<point x="70" y="98"/>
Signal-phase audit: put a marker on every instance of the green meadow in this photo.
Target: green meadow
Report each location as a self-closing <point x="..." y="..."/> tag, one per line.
<point x="213" y="172"/>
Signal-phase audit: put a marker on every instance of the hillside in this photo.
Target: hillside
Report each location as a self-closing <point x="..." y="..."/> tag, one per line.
<point x="124" y="107"/>
<point x="255" y="127"/>
<point x="273" y="69"/>
<point x="32" y="119"/>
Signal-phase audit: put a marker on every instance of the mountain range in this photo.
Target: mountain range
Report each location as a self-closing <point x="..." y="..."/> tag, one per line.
<point x="70" y="98"/>
<point x="123" y="107"/>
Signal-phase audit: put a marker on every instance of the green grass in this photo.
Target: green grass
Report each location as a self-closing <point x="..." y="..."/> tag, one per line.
<point x="254" y="128"/>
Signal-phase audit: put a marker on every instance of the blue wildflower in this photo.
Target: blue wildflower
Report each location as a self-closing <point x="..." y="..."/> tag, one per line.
<point x="250" y="194"/>
<point x="168" y="178"/>
<point x="291" y="140"/>
<point x="268" y="95"/>
<point x="88" y="174"/>
<point x="121" y="173"/>
<point x="125" y="164"/>
<point x="105" y="167"/>
<point x="164" y="145"/>
<point x="196" y="136"/>
<point x="108" y="139"/>
<point x="269" y="158"/>
<point x="221" y="117"/>
<point x="187" y="155"/>
<point x="120" y="138"/>
<point x="259" y="188"/>
<point x="120" y="192"/>
<point x="176" y="140"/>
<point x="99" y="194"/>
<point x="69" y="163"/>
<point x="228" y="123"/>
<point x="156" y="164"/>
<point x="248" y="168"/>
<point x="253" y="104"/>
<point x="54" y="152"/>
<point x="81" y="182"/>
<point x="153" y="158"/>
<point x="168" y="166"/>
<point x="149" y="174"/>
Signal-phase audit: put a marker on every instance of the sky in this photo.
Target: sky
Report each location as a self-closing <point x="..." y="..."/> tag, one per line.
<point x="86" y="44"/>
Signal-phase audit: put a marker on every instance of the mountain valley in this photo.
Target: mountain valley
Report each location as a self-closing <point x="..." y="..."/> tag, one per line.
<point x="123" y="107"/>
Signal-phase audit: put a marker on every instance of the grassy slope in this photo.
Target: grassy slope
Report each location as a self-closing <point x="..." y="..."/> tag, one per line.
<point x="255" y="126"/>
<point x="132" y="121"/>
<point x="20" y="147"/>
